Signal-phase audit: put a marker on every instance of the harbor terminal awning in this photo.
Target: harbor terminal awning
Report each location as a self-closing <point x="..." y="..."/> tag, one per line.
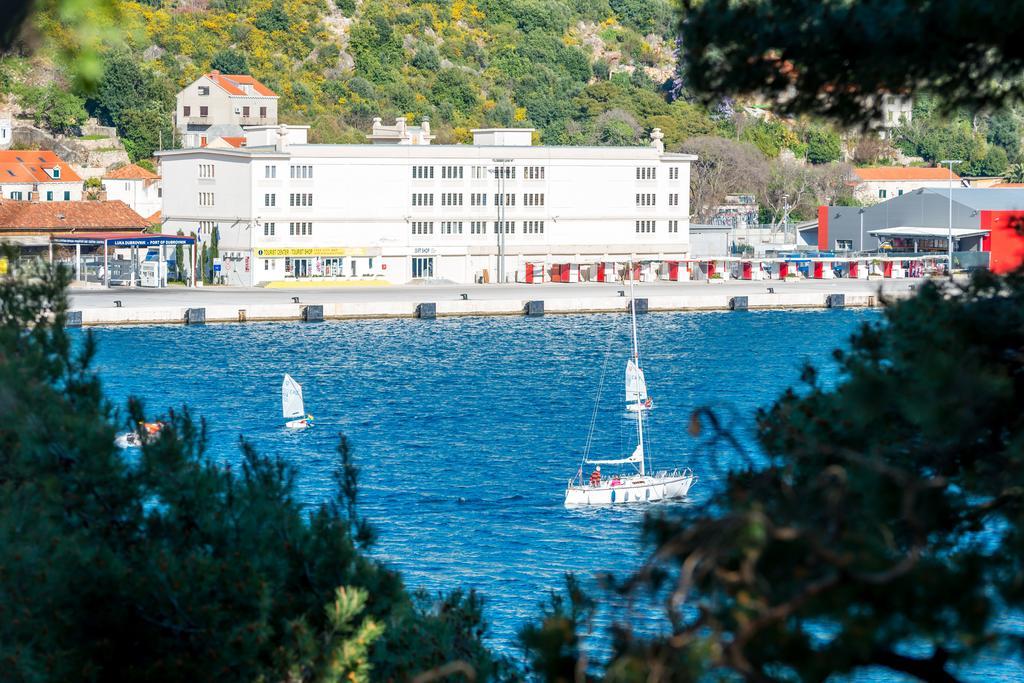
<point x="926" y="233"/>
<point x="121" y="239"/>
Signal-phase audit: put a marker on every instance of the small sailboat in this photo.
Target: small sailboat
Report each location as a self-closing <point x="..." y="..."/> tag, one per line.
<point x="635" y="485"/>
<point x="150" y="430"/>
<point x="636" y="387"/>
<point x="292" y="406"/>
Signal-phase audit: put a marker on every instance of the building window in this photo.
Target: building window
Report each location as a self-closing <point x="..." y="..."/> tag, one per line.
<point x="478" y="227"/>
<point x="899" y="193"/>
<point x="16" y="195"/>
<point x="479" y="172"/>
<point x="881" y="194"/>
<point x="67" y="196"/>
<point x="186" y="111"/>
<point x="533" y="172"/>
<point x="451" y="227"/>
<point x="268" y="229"/>
<point x="300" y="199"/>
<point x="204" y="90"/>
<point x="533" y="227"/>
<point x="49" y="195"/>
<point x="423" y="227"/>
<point x="844" y="245"/>
<point x="205" y="199"/>
<point x="204" y="111"/>
<point x="301" y="171"/>
<point x="673" y="226"/>
<point x="207" y="228"/>
<point x="645" y="226"/>
<point x="509" y="199"/>
<point x="645" y="199"/>
<point x="451" y="198"/>
<point x="270" y="171"/>
<point x="478" y="199"/>
<point x="300" y="228"/>
<point x="510" y="227"/>
<point x="263" y="112"/>
<point x="645" y="173"/>
<point x="422" y="172"/>
<point x="451" y="172"/>
<point x="673" y="200"/>
<point x="533" y="199"/>
<point x="245" y="111"/>
<point x="506" y="172"/>
<point x="422" y="199"/>
<point x="266" y="264"/>
<point x="206" y="170"/>
<point x="270" y="200"/>
<point x="673" y="173"/>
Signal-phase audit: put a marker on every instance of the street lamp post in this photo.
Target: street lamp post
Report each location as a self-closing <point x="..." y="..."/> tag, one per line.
<point x="949" y="245"/>
<point x="861" y="245"/>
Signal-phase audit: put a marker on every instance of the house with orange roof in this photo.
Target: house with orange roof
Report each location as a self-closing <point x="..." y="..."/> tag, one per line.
<point x="137" y="187"/>
<point x="37" y="176"/>
<point x="229" y="101"/>
<point x="879" y="183"/>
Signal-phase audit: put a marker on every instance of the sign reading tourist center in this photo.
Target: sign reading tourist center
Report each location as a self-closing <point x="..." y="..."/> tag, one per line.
<point x="312" y="251"/>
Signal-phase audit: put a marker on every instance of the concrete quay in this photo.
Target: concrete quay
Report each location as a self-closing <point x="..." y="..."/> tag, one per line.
<point x="178" y="305"/>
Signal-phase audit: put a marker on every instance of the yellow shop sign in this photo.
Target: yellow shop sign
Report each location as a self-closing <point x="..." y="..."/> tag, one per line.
<point x="311" y="251"/>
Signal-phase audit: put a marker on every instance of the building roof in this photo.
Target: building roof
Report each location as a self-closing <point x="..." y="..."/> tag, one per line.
<point x="131" y="172"/>
<point x="233" y="84"/>
<point x="18" y="216"/>
<point x="876" y="173"/>
<point x="156" y="218"/>
<point x="1006" y="186"/>
<point x="28" y="166"/>
<point x="983" y="198"/>
<point x="913" y="231"/>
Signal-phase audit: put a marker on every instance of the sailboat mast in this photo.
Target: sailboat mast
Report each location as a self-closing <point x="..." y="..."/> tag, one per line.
<point x="636" y="359"/>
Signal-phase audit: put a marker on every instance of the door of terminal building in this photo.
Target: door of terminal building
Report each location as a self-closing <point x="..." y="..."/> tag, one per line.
<point x="300" y="266"/>
<point x="423" y="266"/>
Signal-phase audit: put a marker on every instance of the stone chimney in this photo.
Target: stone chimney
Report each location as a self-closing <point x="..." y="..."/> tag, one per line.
<point x="282" y="138"/>
<point x="657" y="138"/>
<point x="400" y="125"/>
<point x="214" y="72"/>
<point x="425" y="125"/>
<point x="376" y="123"/>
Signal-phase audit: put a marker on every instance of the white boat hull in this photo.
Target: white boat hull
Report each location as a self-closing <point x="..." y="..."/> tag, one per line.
<point x="632" y="490"/>
<point x="297" y="424"/>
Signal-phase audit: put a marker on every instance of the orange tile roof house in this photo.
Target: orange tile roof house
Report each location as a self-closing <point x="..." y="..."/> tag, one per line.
<point x="218" y="105"/>
<point x="34" y="218"/>
<point x="878" y="183"/>
<point x="135" y="186"/>
<point x="37" y="175"/>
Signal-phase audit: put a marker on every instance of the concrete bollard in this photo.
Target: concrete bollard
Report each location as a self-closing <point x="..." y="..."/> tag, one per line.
<point x="738" y="303"/>
<point x="242" y="316"/>
<point x="195" y="316"/>
<point x="426" y="311"/>
<point x="313" y="314"/>
<point x="73" y="319"/>
<point x="639" y="305"/>
<point x="534" y="309"/>
<point x="835" y="301"/>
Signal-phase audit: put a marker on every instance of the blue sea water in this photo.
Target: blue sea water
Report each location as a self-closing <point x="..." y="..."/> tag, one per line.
<point x="467" y="429"/>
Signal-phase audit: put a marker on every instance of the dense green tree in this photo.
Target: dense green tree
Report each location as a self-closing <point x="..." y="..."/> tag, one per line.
<point x="167" y="566"/>
<point x="616" y="128"/>
<point x="426" y="58"/>
<point x="684" y="121"/>
<point x="883" y="527"/>
<point x="547" y="16"/>
<point x="1004" y="129"/>
<point x="823" y="145"/>
<point x="143" y="130"/>
<point x="769" y="136"/>
<point x="53" y="107"/>
<point x="346" y="7"/>
<point x="229" y="61"/>
<point x="836" y="57"/>
<point x="453" y="87"/>
<point x="646" y="16"/>
<point x="274" y="18"/>
<point x="124" y="86"/>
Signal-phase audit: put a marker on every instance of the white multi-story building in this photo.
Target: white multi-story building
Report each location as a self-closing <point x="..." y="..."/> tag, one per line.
<point x="397" y="212"/>
<point x="218" y="105"/>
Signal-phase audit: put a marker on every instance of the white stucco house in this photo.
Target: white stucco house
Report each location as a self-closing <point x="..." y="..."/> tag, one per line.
<point x="137" y="187"/>
<point x="218" y="105"/>
<point x="38" y="176"/>
<point x="878" y="183"/>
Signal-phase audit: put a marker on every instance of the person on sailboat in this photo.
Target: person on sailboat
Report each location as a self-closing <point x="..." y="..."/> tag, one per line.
<point x="595" y="477"/>
<point x="309" y="420"/>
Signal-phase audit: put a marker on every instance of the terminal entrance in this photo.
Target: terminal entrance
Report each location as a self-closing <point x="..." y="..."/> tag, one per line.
<point x="423" y="266"/>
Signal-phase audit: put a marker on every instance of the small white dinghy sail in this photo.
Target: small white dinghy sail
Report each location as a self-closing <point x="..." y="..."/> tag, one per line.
<point x="292" y="406"/>
<point x="636" y="387"/>
<point x="636" y="486"/>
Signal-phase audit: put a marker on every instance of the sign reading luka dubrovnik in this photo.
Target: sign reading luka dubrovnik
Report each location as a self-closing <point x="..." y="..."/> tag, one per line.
<point x="311" y="251"/>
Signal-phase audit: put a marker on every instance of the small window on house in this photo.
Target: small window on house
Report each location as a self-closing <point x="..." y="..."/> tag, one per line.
<point x="881" y="194"/>
<point x="67" y="196"/>
<point x="204" y="90"/>
<point x="245" y="111"/>
<point x="49" y="195"/>
<point x="204" y="111"/>
<point x="187" y="111"/>
<point x="56" y="172"/>
<point x="263" y="112"/>
<point x="899" y="193"/>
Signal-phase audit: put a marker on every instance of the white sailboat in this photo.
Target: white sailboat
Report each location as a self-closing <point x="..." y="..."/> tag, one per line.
<point x="636" y="387"/>
<point x="292" y="406"/>
<point x="635" y="485"/>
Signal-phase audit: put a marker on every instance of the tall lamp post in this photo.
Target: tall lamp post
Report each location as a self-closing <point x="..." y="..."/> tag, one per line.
<point x="499" y="173"/>
<point x="949" y="244"/>
<point x="861" y="245"/>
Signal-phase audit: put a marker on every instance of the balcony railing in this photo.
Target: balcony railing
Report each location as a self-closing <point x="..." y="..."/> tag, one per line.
<point x="256" y="120"/>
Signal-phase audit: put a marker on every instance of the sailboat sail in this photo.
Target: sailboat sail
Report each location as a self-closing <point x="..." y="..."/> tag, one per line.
<point x="291" y="398"/>
<point x="636" y="384"/>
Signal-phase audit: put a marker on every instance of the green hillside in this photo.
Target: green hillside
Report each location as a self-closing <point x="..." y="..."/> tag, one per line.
<point x="579" y="71"/>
